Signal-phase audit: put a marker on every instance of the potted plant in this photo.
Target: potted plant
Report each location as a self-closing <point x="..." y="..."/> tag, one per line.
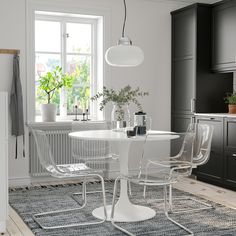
<point x="50" y="83"/>
<point x="230" y="99"/>
<point x="120" y="99"/>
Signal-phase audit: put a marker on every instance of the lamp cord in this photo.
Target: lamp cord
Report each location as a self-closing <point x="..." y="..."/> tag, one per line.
<point x="123" y="29"/>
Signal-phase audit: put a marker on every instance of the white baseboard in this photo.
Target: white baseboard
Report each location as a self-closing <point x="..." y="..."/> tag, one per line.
<point x="2" y="227"/>
<point x="19" y="181"/>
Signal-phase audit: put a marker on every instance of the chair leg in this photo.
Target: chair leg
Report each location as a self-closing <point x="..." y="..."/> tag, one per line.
<point x="165" y="210"/>
<point x="169" y="218"/>
<point x="84" y="194"/>
<point x="113" y="210"/>
<point x="170" y="199"/>
<point x="130" y="191"/>
<point x="206" y="206"/>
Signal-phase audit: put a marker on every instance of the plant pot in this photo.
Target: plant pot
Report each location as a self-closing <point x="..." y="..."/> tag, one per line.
<point x="48" y="112"/>
<point x="232" y="109"/>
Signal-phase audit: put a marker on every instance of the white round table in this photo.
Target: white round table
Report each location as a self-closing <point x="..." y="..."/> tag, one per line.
<point x="125" y="211"/>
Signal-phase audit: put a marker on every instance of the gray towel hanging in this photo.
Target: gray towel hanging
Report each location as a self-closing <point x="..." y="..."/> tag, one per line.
<point x="16" y="103"/>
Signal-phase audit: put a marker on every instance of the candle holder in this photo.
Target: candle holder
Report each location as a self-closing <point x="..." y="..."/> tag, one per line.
<point x="84" y="117"/>
<point x="87" y="110"/>
<point x="76" y="113"/>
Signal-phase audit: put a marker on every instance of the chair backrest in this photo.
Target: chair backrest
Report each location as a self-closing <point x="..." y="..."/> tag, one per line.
<point x="202" y="144"/>
<point x="44" y="151"/>
<point x="89" y="151"/>
<point x="163" y="147"/>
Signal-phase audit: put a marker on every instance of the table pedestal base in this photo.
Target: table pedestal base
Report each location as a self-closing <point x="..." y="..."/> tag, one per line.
<point x="130" y="213"/>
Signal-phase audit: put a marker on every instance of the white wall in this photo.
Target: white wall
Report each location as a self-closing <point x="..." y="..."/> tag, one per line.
<point x="12" y="25"/>
<point x="148" y="25"/>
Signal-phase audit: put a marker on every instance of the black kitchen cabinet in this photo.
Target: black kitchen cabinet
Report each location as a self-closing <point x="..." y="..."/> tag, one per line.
<point x="194" y="87"/>
<point x="230" y="152"/>
<point x="224" y="36"/>
<point x="220" y="169"/>
<point x="213" y="171"/>
<point x="229" y="169"/>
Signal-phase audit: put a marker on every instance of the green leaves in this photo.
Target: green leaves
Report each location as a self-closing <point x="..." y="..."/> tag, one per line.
<point x="122" y="97"/>
<point x="230" y="98"/>
<point x="52" y="81"/>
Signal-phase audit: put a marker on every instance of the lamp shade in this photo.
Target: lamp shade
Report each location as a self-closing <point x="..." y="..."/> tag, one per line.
<point x="124" y="55"/>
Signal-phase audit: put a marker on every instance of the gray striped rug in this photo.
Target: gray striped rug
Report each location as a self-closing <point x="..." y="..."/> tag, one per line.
<point x="220" y="221"/>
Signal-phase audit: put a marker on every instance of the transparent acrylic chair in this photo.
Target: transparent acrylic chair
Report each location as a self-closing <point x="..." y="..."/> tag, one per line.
<point x="201" y="154"/>
<point x="96" y="154"/>
<point x="148" y="173"/>
<point x="77" y="170"/>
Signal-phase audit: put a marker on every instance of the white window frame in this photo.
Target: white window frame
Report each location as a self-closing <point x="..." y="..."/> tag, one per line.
<point x="71" y="8"/>
<point x="63" y="20"/>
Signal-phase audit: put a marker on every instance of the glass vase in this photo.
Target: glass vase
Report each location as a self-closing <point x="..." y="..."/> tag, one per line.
<point x="120" y="117"/>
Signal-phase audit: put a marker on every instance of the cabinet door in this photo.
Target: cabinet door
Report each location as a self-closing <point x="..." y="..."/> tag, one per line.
<point x="183" y="63"/>
<point x="224" y="37"/>
<point x="183" y="33"/>
<point x="229" y="169"/>
<point x="212" y="171"/>
<point x="183" y="86"/>
<point x="230" y="134"/>
<point x="230" y="152"/>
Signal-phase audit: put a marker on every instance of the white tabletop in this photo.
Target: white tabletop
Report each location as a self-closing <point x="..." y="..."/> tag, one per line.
<point x="109" y="135"/>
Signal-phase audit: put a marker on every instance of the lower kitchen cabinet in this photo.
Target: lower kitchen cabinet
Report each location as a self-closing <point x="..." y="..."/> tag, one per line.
<point x="230" y="152"/>
<point x="230" y="169"/>
<point x="212" y="171"/>
<point x="221" y="166"/>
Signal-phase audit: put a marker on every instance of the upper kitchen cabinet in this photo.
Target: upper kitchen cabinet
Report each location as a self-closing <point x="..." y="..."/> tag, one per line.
<point x="224" y="36"/>
<point x="184" y="34"/>
<point x="194" y="87"/>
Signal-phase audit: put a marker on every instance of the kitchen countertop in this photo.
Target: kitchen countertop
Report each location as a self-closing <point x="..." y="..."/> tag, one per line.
<point x="216" y="114"/>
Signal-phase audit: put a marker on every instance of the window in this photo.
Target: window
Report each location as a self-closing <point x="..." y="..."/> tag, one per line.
<point x="71" y="42"/>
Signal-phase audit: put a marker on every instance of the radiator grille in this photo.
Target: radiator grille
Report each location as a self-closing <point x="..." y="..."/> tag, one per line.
<point x="61" y="149"/>
<point x="61" y="146"/>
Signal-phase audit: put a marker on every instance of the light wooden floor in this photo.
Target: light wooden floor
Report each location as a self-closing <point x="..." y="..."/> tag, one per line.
<point x="16" y="227"/>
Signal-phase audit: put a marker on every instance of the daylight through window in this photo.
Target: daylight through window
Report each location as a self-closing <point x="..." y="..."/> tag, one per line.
<point x="71" y="43"/>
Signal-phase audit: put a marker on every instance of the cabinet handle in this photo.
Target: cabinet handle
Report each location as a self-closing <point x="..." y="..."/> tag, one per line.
<point x="234" y="155"/>
<point x="193" y="105"/>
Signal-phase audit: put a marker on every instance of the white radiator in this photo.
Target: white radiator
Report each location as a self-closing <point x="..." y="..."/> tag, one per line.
<point x="61" y="146"/>
<point x="61" y="150"/>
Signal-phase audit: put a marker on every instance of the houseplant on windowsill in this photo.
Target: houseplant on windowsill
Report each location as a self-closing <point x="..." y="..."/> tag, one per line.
<point x="49" y="84"/>
<point x="230" y="99"/>
<point x="121" y="99"/>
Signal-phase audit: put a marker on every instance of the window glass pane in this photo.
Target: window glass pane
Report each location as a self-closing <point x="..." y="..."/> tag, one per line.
<point x="79" y="95"/>
<point x="79" y="38"/>
<point x="47" y="36"/>
<point x="43" y="64"/>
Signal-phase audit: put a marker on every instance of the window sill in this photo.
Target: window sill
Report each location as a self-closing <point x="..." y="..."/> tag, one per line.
<point x="64" y="123"/>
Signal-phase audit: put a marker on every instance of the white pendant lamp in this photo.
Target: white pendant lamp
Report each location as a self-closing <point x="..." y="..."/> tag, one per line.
<point x="124" y="54"/>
